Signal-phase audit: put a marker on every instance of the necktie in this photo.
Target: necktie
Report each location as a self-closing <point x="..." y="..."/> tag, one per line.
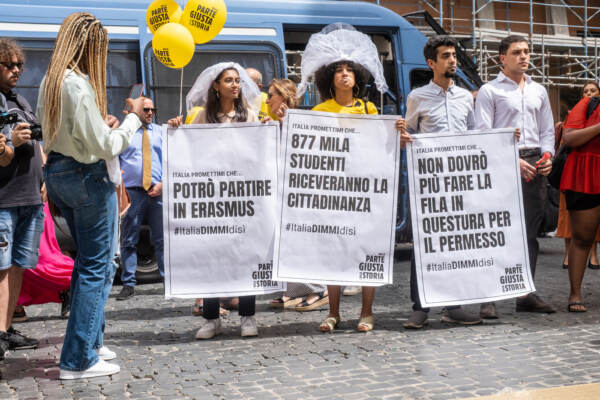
<point x="146" y="160"/>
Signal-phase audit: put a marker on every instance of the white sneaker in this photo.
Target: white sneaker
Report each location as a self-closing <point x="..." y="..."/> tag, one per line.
<point x="352" y="290"/>
<point x="210" y="329"/>
<point x="248" y="326"/>
<point x="101" y="368"/>
<point x="104" y="353"/>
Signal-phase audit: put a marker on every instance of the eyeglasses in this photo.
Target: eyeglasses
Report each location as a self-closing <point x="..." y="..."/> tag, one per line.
<point x="148" y="109"/>
<point x="231" y="81"/>
<point x="11" y="66"/>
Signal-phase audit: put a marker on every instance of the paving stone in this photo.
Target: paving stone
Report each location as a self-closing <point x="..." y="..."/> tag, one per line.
<point x="159" y="358"/>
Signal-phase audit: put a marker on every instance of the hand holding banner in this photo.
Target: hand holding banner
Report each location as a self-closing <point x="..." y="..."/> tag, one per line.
<point x="219" y="209"/>
<point x="467" y="217"/>
<point x="338" y="199"/>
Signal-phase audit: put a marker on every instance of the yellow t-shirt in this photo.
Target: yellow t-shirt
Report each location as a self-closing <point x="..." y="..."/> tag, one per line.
<point x="333" y="107"/>
<point x="265" y="109"/>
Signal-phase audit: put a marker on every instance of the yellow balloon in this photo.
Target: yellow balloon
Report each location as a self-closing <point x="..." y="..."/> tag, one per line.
<point x="173" y="45"/>
<point x="162" y="12"/>
<point x="204" y="18"/>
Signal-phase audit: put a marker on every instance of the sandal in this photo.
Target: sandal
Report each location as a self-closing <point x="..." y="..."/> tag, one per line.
<point x="197" y="310"/>
<point x="365" y="324"/>
<point x="320" y="301"/>
<point x="232" y="303"/>
<point x="289" y="303"/>
<point x="329" y="324"/>
<point x="571" y="307"/>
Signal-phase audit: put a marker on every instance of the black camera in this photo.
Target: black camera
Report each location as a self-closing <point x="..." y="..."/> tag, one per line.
<point x="8" y="119"/>
<point x="36" y="132"/>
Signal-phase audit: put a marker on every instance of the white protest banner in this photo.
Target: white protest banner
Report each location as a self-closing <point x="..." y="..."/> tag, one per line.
<point x="467" y="216"/>
<point x="338" y="199"/>
<point x="219" y="209"/>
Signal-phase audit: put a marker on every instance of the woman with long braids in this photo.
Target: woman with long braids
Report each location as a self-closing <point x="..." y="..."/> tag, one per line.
<point x="342" y="61"/>
<point x="227" y="95"/>
<point x="79" y="140"/>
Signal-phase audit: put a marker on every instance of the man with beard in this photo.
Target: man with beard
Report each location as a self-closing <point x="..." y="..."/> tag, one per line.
<point x="437" y="107"/>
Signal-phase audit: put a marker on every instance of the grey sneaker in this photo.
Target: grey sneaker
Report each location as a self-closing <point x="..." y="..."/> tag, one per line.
<point x="248" y="326"/>
<point x="417" y="320"/>
<point x="17" y="341"/>
<point x="488" y="311"/>
<point x="126" y="293"/>
<point x="210" y="329"/>
<point x="460" y="316"/>
<point x="3" y="348"/>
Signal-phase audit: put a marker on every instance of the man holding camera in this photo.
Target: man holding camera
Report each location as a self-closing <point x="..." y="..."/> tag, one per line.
<point x="141" y="164"/>
<point x="21" y="208"/>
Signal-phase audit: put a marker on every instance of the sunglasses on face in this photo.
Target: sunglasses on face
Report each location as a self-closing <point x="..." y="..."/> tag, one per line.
<point x="270" y="95"/>
<point x="148" y="109"/>
<point x="11" y="66"/>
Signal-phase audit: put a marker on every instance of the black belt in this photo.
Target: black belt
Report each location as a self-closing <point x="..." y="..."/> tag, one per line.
<point x="137" y="189"/>
<point x="530" y="152"/>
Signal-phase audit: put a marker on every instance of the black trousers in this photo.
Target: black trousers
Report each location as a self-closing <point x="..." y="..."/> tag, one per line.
<point x="210" y="307"/>
<point x="414" y="290"/>
<point x="534" y="201"/>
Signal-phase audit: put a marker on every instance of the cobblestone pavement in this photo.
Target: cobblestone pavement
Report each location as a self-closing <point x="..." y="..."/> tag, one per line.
<point x="291" y="359"/>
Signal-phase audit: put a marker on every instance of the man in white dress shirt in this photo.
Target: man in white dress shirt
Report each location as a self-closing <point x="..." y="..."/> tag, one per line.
<point x="436" y="107"/>
<point x="514" y="100"/>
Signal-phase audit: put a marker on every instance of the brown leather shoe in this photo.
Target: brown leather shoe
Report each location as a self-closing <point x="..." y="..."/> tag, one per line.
<point x="532" y="303"/>
<point x="488" y="311"/>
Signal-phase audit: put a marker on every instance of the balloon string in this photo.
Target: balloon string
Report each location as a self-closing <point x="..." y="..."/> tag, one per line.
<point x="181" y="93"/>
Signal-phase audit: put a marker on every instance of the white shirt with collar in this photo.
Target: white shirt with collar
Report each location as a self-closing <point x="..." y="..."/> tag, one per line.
<point x="431" y="109"/>
<point x="502" y="104"/>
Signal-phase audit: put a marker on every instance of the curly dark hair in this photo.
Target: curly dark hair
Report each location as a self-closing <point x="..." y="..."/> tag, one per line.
<point x="10" y="48"/>
<point x="213" y="104"/>
<point x="324" y="79"/>
<point x="430" y="49"/>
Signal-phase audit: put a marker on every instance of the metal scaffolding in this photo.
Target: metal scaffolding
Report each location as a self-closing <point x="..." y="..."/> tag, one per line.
<point x="569" y="64"/>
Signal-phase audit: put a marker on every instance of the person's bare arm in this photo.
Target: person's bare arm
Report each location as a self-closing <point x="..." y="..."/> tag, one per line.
<point x="577" y="137"/>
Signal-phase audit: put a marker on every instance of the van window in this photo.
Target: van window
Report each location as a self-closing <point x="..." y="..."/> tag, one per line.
<point x="123" y="69"/>
<point x="164" y="82"/>
<point x="420" y="77"/>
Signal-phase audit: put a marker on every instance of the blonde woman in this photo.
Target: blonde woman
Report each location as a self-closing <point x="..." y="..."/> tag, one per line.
<point x="78" y="140"/>
<point x="301" y="296"/>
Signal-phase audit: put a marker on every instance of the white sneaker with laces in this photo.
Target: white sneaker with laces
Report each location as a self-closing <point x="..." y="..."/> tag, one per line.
<point x="351" y="290"/>
<point x="210" y="329"/>
<point x="248" y="326"/>
<point x="106" y="354"/>
<point x="101" y="368"/>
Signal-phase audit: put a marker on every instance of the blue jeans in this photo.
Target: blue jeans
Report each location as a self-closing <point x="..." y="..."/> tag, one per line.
<point x="87" y="200"/>
<point x="20" y="232"/>
<point x="141" y="205"/>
